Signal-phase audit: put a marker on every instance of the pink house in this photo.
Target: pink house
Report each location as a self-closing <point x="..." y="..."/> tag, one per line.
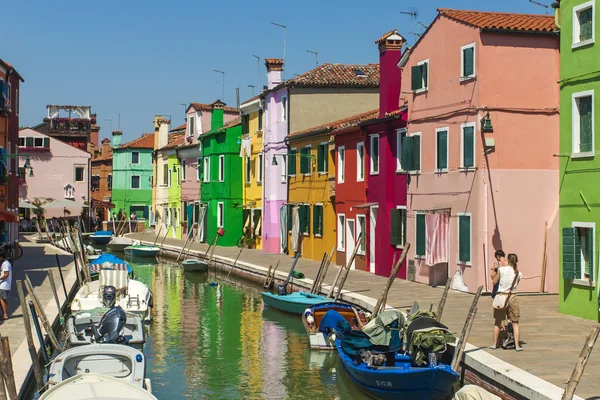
<point x="483" y="127"/>
<point x="60" y="171"/>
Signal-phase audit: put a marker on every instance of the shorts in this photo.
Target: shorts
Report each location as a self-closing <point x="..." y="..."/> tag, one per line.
<point x="4" y="294"/>
<point x="512" y="311"/>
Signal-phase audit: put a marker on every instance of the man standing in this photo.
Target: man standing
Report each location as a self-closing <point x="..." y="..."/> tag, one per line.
<point x="5" y="283"/>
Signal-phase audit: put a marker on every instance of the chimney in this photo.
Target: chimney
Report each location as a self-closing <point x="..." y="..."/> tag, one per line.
<point x="161" y="131"/>
<point x="117" y="136"/>
<point x="95" y="135"/>
<point x="216" y="117"/>
<point x="274" y="71"/>
<point x="390" y="77"/>
<point x="105" y="149"/>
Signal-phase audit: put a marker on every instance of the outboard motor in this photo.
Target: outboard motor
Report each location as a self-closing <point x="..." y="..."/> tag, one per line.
<point x="110" y="326"/>
<point x="281" y="289"/>
<point x="109" y="296"/>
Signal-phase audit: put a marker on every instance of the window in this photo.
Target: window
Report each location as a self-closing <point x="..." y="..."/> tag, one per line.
<point x="259" y="168"/>
<point x="410" y="147"/>
<point x="21" y="142"/>
<point x="79" y="174"/>
<point x="221" y="168"/>
<point x="322" y="158"/>
<point x="38" y="142"/>
<point x="341" y="164"/>
<point x="292" y="162"/>
<point x="191" y="126"/>
<point x="318" y="220"/>
<point x="361" y="228"/>
<point x="247" y="172"/>
<point x="420" y="234"/>
<point x="257" y="221"/>
<point x="165" y="174"/>
<point x="198" y="168"/>
<point x="183" y="173"/>
<point x="3" y="94"/>
<point x="305" y="160"/>
<point x="245" y="124"/>
<point x="341" y="238"/>
<point x="420" y="76"/>
<point x="374" y="154"/>
<point x="360" y="161"/>
<point x="467" y="145"/>
<point x="170" y="177"/>
<point x="95" y="182"/>
<point x="583" y="124"/>
<point x="441" y="149"/>
<point x="135" y="181"/>
<point x="400" y="136"/>
<point x="284" y="168"/>
<point x="398" y="226"/>
<point x="467" y="61"/>
<point x="260" y="120"/>
<point x="464" y="238"/>
<point x="284" y="108"/>
<point x="583" y="24"/>
<point x="290" y="214"/>
<point x="109" y="182"/>
<point x="578" y="251"/>
<point x="304" y="217"/>
<point x="206" y="169"/>
<point x="220" y="214"/>
<point x="135" y="157"/>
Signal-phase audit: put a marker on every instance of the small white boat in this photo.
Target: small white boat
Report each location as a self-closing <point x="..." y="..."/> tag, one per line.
<point x="195" y="265"/>
<point x="140" y="250"/>
<point x="96" y="386"/>
<point x="124" y="363"/>
<point x="131" y="295"/>
<point x="118" y="243"/>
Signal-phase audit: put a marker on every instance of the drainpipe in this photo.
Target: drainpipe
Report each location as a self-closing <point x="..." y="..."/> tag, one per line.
<point x="485" y="214"/>
<point x="556" y="6"/>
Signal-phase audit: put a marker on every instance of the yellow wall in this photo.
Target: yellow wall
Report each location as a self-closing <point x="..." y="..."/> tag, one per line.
<point x="313" y="189"/>
<point x="253" y="191"/>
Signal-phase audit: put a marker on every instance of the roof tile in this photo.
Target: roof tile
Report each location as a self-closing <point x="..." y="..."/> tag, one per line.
<point x="502" y="21"/>
<point x="208" y="108"/>
<point x="340" y="124"/>
<point x="175" y="140"/>
<point x="146" y="141"/>
<point x="339" y="75"/>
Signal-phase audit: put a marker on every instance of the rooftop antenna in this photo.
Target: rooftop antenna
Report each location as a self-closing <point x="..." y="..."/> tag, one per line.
<point x="316" y="56"/>
<point x="237" y="97"/>
<point x="184" y="107"/>
<point x="540" y="4"/>
<point x="257" y="69"/>
<point x="223" y="89"/>
<point x="413" y="14"/>
<point x="252" y="86"/>
<point x="284" y="31"/>
<point x="118" y="121"/>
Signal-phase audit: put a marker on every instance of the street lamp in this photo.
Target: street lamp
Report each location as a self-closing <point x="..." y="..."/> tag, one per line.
<point x="257" y="69"/>
<point x="26" y="166"/>
<point x="274" y="160"/>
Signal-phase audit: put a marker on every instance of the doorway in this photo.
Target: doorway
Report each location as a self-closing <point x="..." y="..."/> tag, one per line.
<point x="350" y="241"/>
<point x="372" y="229"/>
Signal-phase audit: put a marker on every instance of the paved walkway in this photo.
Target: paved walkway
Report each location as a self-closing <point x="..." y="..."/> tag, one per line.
<point x="552" y="341"/>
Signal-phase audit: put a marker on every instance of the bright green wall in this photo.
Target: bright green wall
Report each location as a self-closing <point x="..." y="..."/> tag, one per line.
<point x="578" y="177"/>
<point x="123" y="196"/>
<point x="175" y="191"/>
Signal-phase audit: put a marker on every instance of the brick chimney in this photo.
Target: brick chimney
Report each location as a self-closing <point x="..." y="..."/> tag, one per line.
<point x="390" y="77"/>
<point x="274" y="71"/>
<point x="105" y="149"/>
<point x="117" y="137"/>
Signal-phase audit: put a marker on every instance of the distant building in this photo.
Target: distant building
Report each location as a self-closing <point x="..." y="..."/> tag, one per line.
<point x="74" y="125"/>
<point x="101" y="181"/>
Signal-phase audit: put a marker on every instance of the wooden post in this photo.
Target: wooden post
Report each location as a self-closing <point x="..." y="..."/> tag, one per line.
<point x="442" y="302"/>
<point x="314" y="285"/>
<point x="236" y="260"/>
<point x="324" y="274"/>
<point x="384" y="301"/>
<point x="35" y="360"/>
<point x="7" y="369"/>
<point x="62" y="279"/>
<point x="573" y="381"/>
<point x="544" y="260"/>
<point x="183" y="248"/>
<point x="157" y="235"/>
<point x="388" y="285"/>
<point x="268" y="276"/>
<point x="55" y="293"/>
<point x="462" y="341"/>
<point x="2" y="388"/>
<point x="42" y="314"/>
<point x="348" y="266"/>
<point x="50" y="239"/>
<point x="334" y="283"/>
<point x="272" y="277"/>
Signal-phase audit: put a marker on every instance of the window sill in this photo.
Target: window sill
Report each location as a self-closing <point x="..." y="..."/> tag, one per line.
<point x="318" y="235"/>
<point x="306" y="174"/>
<point x="585" y="154"/>
<point x="259" y="183"/>
<point x="306" y="234"/>
<point x="374" y="173"/>
<point x="583" y="43"/>
<point x="322" y="172"/>
<point x="358" y="180"/>
<point x="583" y="282"/>
<point x="340" y="181"/>
<point x="465" y="263"/>
<point x="401" y="246"/>
<point x="414" y="172"/>
<point x="358" y="253"/>
<point x="423" y="90"/>
<point x="420" y="257"/>
<point x="467" y="169"/>
<point x="468" y="78"/>
<point x="341" y="249"/>
<point x="441" y="171"/>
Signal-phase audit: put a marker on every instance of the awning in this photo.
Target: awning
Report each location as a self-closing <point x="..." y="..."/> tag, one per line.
<point x="102" y="204"/>
<point x="25" y="204"/>
<point x="366" y="205"/>
<point x="8" y="216"/>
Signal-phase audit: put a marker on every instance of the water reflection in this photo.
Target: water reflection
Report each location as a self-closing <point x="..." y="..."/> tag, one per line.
<point x="217" y="342"/>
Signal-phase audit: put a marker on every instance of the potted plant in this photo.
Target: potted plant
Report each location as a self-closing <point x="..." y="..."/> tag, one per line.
<point x="248" y="241"/>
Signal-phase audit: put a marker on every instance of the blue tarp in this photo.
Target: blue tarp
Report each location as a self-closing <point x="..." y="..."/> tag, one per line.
<point x="332" y="321"/>
<point x="102" y="233"/>
<point x="106" y="257"/>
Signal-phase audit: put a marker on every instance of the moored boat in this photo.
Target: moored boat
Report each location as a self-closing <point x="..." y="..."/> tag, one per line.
<point x="140" y="250"/>
<point x="96" y="386"/>
<point x="110" y="262"/>
<point x="195" y="265"/>
<point x="101" y="237"/>
<point x="320" y="322"/>
<point x="118" y="243"/>
<point x="294" y="303"/>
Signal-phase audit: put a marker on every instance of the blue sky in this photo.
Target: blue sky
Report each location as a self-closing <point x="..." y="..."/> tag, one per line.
<point x="142" y="58"/>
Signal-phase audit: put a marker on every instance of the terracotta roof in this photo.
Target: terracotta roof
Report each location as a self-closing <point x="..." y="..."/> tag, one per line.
<point x="103" y="157"/>
<point x="233" y="122"/>
<point x="146" y="141"/>
<point x="208" y="108"/>
<point x="175" y="139"/>
<point x="179" y="128"/>
<point x="502" y="21"/>
<point x="386" y="35"/>
<point x="356" y="75"/>
<point x="340" y="124"/>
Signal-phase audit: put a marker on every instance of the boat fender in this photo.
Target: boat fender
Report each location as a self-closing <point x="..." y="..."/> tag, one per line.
<point x="332" y="337"/>
<point x="139" y="358"/>
<point x="310" y="320"/>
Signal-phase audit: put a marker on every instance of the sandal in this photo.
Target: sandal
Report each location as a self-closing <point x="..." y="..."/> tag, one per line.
<point x="493" y="347"/>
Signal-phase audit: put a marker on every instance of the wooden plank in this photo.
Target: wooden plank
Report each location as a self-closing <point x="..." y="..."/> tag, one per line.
<point x="35" y="360"/>
<point x="442" y="302"/>
<point x="544" y="260"/>
<point x="42" y="314"/>
<point x="388" y="285"/>
<point x="573" y="381"/>
<point x="464" y="336"/>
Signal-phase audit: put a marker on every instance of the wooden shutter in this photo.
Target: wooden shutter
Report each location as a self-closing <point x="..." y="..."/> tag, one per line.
<point x="304" y="160"/>
<point x="571" y="250"/>
<point x="289" y="217"/>
<point x="260" y="120"/>
<point x="468" y="61"/>
<point x="3" y="94"/>
<point x="424" y="69"/>
<point x="407" y="153"/>
<point x="589" y="253"/>
<point x="442" y="150"/>
<point x="464" y="238"/>
<point x="585" y="124"/>
<point x="292" y="162"/>
<point x="416" y="78"/>
<point x="318" y="220"/>
<point x="396" y="227"/>
<point x="416" y="164"/>
<point x="46" y="143"/>
<point x="28" y="142"/>
<point x="420" y="239"/>
<point x="321" y="158"/>
<point x="468" y="148"/>
<point x="304" y="216"/>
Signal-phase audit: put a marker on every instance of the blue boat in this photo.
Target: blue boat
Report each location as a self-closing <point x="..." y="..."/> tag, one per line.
<point x="103" y="261"/>
<point x="294" y="303"/>
<point x="101" y="237"/>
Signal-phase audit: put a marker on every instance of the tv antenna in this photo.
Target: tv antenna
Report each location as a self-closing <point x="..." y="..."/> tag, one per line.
<point x="413" y="14"/>
<point x="540" y="4"/>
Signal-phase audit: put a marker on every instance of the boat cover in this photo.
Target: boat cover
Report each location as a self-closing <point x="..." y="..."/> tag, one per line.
<point x="116" y="263"/>
<point x="354" y="341"/>
<point x="109" y="277"/>
<point x="332" y="321"/>
<point x="472" y="392"/>
<point x="425" y="335"/>
<point x="379" y="329"/>
<point x="102" y="233"/>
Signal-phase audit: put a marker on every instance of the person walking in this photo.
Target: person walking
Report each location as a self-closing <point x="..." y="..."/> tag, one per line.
<point x="506" y="302"/>
<point x="5" y="283"/>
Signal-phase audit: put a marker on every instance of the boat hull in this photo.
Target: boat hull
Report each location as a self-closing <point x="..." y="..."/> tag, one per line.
<point x="402" y="382"/>
<point x="100" y="239"/>
<point x="141" y="251"/>
<point x="195" y="265"/>
<point x="294" y="303"/>
<point x="89" y="385"/>
<point x="117" y="247"/>
<point x="319" y="340"/>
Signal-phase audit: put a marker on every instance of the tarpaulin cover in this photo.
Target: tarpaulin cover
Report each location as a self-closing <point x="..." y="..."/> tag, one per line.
<point x="380" y="328"/>
<point x="353" y="341"/>
<point x="426" y="335"/>
<point x="117" y="263"/>
<point x="332" y="321"/>
<point x="102" y="233"/>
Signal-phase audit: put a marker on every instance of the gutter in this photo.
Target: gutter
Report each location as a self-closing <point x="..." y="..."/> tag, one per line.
<point x="556" y="6"/>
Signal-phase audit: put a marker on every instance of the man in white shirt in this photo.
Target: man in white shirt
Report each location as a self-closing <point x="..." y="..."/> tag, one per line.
<point x="5" y="283"/>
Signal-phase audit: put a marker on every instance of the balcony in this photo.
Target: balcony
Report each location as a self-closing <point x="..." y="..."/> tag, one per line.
<point x="70" y="126"/>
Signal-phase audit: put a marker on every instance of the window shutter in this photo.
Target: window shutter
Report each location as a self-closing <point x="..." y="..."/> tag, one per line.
<point x="292" y="162"/>
<point x="318" y="220"/>
<point x="28" y="142"/>
<point x="424" y="69"/>
<point x="468" y="138"/>
<point x="420" y="239"/>
<point x="468" y="61"/>
<point x="3" y="94"/>
<point x="585" y="25"/>
<point x="442" y="150"/>
<point x="396" y="227"/>
<point x="570" y="252"/>
<point x="585" y="124"/>
<point x="407" y="153"/>
<point x="416" y="164"/>
<point x="304" y="160"/>
<point x="464" y="238"/>
<point x="416" y="78"/>
<point x="321" y="158"/>
<point x="260" y="120"/>
<point x="46" y="143"/>
<point x="589" y="252"/>
<point x="290" y="213"/>
<point x="303" y="219"/>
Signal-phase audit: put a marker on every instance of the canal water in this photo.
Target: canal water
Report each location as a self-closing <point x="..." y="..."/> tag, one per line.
<point x="211" y="338"/>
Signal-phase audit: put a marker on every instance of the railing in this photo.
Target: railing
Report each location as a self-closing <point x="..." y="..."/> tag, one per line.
<point x="69" y="125"/>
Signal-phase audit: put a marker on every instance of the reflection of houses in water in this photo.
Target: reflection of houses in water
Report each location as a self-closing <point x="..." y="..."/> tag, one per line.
<point x="190" y="327"/>
<point x="274" y="344"/>
<point x="251" y="327"/>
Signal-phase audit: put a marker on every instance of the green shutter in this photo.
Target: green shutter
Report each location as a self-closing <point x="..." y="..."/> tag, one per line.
<point x="424" y="68"/>
<point x="28" y="142"/>
<point x="468" y="148"/>
<point x="46" y="143"/>
<point x="321" y="158"/>
<point x="571" y="250"/>
<point x="589" y="252"/>
<point x="304" y="160"/>
<point x="318" y="220"/>
<point x="464" y="238"/>
<point x="260" y="120"/>
<point x="468" y="61"/>
<point x="442" y="150"/>
<point x="417" y="78"/>
<point x="416" y="164"/>
<point x="396" y="227"/>
<point x="407" y="153"/>
<point x="290" y="213"/>
<point x="585" y="124"/>
<point x="420" y="232"/>
<point x="292" y="162"/>
<point x="304" y="214"/>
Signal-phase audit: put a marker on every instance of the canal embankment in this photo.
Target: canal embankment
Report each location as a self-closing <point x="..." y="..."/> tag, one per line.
<point x="539" y="372"/>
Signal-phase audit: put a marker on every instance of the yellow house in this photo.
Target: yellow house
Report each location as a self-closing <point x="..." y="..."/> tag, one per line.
<point x="311" y="193"/>
<point x="253" y="168"/>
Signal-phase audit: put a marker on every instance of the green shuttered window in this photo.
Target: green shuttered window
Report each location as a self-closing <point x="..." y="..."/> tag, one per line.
<point x="290" y="215"/>
<point x="420" y="233"/>
<point x="468" y="62"/>
<point x="442" y="150"/>
<point x="578" y="253"/>
<point x="468" y="160"/>
<point x="585" y="24"/>
<point x="46" y="143"/>
<point x="304" y="216"/>
<point x="585" y="123"/>
<point x="398" y="226"/>
<point x="28" y="142"/>
<point x="305" y="160"/>
<point x="411" y="153"/>
<point x="419" y="76"/>
<point x="292" y="162"/>
<point x="322" y="157"/>
<point x="318" y="219"/>
<point x="464" y="238"/>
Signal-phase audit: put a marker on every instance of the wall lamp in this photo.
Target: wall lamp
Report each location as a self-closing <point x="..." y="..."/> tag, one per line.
<point x="486" y="124"/>
<point x="27" y="165"/>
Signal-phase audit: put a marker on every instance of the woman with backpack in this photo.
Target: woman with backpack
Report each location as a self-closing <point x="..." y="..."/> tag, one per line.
<point x="506" y="302"/>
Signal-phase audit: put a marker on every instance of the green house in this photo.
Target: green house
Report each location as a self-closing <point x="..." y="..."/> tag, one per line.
<point x="579" y="214"/>
<point x="132" y="175"/>
<point x="221" y="174"/>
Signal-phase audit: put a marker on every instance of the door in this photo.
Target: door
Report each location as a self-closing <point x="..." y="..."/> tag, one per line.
<point x="372" y="230"/>
<point x="350" y="241"/>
